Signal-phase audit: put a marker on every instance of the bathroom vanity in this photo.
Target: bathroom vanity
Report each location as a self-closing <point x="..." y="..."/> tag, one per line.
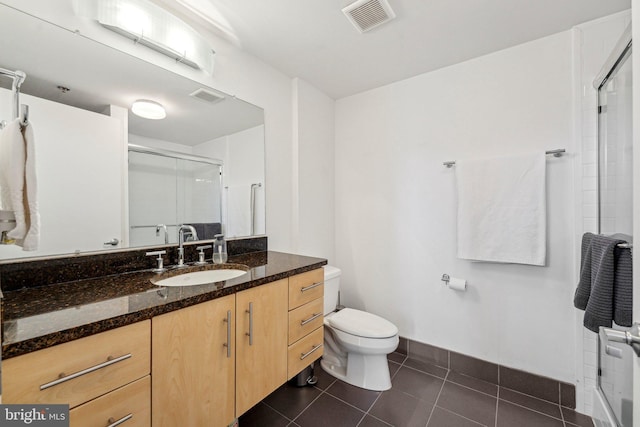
<point x="119" y="348"/>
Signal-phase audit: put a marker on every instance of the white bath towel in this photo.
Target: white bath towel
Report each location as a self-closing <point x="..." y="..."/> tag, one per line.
<point x="18" y="186"/>
<point x="502" y="209"/>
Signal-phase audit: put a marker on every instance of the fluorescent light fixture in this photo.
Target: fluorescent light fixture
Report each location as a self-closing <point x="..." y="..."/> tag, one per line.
<point x="150" y="25"/>
<point x="148" y="109"/>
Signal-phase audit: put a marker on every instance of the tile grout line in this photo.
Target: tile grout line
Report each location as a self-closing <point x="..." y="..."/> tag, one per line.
<point x="548" y="402"/>
<point x="473" y="389"/>
<point x="533" y="410"/>
<point x="497" y="400"/>
<point x="307" y="407"/>
<point x="461" y="416"/>
<point x="437" y="397"/>
<point x="276" y="411"/>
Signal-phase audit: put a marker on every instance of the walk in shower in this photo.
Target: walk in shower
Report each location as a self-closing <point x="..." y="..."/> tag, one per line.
<point x="613" y="402"/>
<point x="168" y="189"/>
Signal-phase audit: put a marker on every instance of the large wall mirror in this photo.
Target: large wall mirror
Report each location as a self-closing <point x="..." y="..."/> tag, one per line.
<point x="203" y="164"/>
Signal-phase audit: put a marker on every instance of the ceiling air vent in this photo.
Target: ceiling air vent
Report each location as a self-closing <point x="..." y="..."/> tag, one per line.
<point x="207" y="95"/>
<point x="368" y="14"/>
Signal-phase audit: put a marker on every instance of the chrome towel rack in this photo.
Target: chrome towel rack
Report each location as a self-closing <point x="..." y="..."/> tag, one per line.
<point x="18" y="78"/>
<point x="556" y="153"/>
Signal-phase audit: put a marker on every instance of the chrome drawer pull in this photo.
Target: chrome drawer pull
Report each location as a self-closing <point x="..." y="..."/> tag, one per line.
<point x="304" y="355"/>
<point x="114" y="423"/>
<point x="63" y="378"/>
<point x="310" y="319"/>
<point x="250" y="333"/>
<point x="228" y="343"/>
<point x="315" y="285"/>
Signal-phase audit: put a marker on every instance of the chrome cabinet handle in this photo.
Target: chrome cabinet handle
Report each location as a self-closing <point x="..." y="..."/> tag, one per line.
<point x="311" y="319"/>
<point x="304" y="355"/>
<point x="64" y="378"/>
<point x="315" y="285"/>
<point x="250" y="333"/>
<point x="228" y="343"/>
<point x="114" y="423"/>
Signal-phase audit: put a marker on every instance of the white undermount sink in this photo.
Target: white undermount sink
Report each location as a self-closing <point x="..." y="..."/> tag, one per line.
<point x="200" y="277"/>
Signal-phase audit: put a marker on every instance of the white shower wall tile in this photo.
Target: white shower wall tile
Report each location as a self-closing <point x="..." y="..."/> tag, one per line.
<point x="589" y="183"/>
<point x="590" y="170"/>
<point x="590" y="210"/>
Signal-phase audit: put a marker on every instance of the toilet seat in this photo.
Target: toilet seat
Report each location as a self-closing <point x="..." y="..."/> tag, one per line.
<point x="361" y="324"/>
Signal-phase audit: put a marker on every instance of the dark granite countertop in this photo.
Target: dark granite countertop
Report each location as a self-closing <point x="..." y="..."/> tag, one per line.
<point x="40" y="317"/>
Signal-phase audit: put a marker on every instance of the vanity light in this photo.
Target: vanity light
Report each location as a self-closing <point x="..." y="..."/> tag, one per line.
<point x="150" y="25"/>
<point x="148" y="109"/>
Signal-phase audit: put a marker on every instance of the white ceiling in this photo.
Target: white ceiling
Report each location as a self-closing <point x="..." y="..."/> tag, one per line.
<point x="313" y="40"/>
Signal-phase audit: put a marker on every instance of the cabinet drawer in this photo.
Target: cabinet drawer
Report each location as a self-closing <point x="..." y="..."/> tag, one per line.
<point x="131" y="405"/>
<point x="305" y="351"/>
<point x="80" y="370"/>
<point x="305" y="287"/>
<point x="305" y="319"/>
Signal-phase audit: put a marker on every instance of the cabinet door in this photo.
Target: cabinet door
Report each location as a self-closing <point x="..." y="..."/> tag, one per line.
<point x="193" y="367"/>
<point x="261" y="339"/>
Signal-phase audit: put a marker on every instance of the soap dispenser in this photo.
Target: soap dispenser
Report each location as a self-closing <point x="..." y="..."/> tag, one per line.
<point x="219" y="249"/>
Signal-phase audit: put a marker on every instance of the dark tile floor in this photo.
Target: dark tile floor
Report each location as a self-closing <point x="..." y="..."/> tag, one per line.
<point x="421" y="395"/>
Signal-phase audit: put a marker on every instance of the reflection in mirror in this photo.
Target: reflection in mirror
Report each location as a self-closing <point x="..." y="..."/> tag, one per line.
<point x="79" y="92"/>
<point x="167" y="189"/>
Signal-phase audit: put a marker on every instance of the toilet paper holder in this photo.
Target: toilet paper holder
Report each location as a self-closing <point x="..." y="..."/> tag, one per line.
<point x="445" y="278"/>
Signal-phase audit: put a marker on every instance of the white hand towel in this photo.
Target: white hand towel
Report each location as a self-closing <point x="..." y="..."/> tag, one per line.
<point x="12" y="164"/>
<point x="32" y="238"/>
<point x="18" y="184"/>
<point x="502" y="209"/>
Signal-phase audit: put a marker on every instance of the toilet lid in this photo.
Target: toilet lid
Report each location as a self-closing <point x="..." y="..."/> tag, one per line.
<point x="362" y="324"/>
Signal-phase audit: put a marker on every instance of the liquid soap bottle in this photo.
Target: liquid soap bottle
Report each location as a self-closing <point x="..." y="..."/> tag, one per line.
<point x="219" y="249"/>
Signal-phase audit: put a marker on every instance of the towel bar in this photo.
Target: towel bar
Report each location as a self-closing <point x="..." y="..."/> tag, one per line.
<point x="555" y="153"/>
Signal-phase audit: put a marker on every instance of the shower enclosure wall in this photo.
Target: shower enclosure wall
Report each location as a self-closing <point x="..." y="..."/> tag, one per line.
<point x="613" y="402"/>
<point x="168" y="189"/>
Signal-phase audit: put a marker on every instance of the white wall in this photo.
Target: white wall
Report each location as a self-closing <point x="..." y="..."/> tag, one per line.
<point x="313" y="148"/>
<point x="241" y="170"/>
<point x="396" y="205"/>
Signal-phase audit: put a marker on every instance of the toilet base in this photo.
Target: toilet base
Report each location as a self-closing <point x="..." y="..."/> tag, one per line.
<point x="370" y="372"/>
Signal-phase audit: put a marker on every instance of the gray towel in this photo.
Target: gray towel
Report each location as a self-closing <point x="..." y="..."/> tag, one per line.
<point x="604" y="290"/>
<point x="623" y="287"/>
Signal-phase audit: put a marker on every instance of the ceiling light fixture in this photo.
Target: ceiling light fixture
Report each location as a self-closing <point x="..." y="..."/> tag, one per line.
<point x="150" y="25"/>
<point x="148" y="109"/>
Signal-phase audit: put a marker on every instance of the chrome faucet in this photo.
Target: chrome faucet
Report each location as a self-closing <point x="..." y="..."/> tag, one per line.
<point x="181" y="231"/>
<point x="166" y="234"/>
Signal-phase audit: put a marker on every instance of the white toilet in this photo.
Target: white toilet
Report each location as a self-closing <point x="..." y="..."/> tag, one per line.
<point x="356" y="343"/>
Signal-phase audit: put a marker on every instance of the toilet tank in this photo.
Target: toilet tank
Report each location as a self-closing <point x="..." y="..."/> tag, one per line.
<point x="331" y="288"/>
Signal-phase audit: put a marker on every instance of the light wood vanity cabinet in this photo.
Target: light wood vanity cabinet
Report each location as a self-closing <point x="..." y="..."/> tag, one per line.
<point x="193" y="365"/>
<point x="209" y="363"/>
<point x="306" y="332"/>
<point x="78" y="371"/>
<point x="261" y="340"/>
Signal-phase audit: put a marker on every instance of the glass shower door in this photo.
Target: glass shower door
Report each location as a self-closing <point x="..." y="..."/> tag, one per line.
<point x="615" y="150"/>
<point x="615" y="216"/>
